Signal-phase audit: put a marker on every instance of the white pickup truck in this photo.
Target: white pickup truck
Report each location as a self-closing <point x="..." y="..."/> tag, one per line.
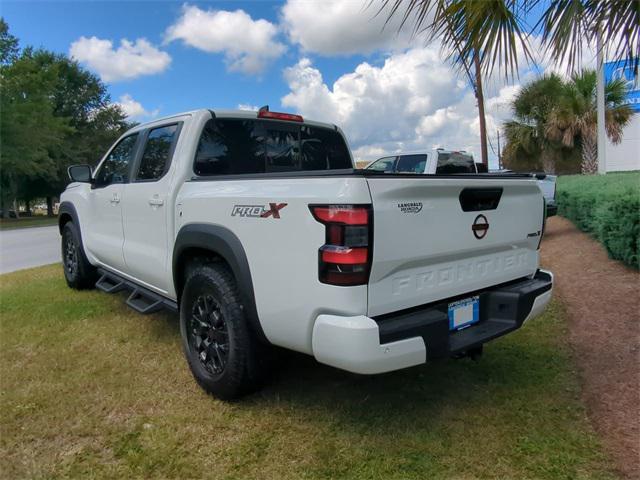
<point x="257" y="229"/>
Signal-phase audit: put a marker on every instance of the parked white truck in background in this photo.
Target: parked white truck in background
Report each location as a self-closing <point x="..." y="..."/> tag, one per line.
<point x="439" y="161"/>
<point x="256" y="227"/>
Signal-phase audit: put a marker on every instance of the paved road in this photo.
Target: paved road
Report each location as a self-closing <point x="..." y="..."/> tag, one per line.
<point x="28" y="247"/>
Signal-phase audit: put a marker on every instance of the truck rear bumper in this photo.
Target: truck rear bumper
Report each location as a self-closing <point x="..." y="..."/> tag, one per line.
<point x="403" y="339"/>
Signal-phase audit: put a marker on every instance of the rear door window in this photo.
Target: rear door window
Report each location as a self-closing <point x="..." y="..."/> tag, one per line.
<point x="235" y="146"/>
<point x="455" y="162"/>
<point x="411" y="163"/>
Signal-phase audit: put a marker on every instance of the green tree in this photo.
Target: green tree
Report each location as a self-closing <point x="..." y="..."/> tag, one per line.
<point x="554" y="123"/>
<point x="527" y="147"/>
<point x="574" y="119"/>
<point x="81" y="97"/>
<point x="8" y="44"/>
<point x="28" y="127"/>
<point x="54" y="114"/>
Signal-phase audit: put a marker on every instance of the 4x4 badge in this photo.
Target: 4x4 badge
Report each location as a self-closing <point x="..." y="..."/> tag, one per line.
<point x="480" y="227"/>
<point x="258" y="211"/>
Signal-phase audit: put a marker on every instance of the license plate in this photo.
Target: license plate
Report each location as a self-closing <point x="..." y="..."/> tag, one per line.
<point x="464" y="312"/>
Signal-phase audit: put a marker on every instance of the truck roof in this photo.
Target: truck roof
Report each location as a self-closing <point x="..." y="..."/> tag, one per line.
<point x="222" y="113"/>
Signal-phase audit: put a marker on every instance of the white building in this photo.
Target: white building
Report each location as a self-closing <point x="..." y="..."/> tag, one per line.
<point x="626" y="155"/>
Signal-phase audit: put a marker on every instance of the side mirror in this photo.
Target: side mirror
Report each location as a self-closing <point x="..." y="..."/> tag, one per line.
<point x="80" y="173"/>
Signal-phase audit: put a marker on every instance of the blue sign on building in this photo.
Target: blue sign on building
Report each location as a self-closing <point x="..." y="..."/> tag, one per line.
<point x="624" y="71"/>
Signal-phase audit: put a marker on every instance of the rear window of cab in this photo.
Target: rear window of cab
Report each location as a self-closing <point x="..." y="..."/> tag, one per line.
<point x="247" y="146"/>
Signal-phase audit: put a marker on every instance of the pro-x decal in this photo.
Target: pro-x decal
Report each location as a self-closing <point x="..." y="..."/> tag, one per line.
<point x="258" y="211"/>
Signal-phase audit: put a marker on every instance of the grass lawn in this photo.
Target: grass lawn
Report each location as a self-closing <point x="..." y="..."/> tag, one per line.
<point x="92" y="389"/>
<point x="26" y="222"/>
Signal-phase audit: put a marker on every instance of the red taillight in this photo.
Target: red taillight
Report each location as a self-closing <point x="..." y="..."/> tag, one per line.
<point x="345" y="258"/>
<point x="337" y="214"/>
<point x="344" y="255"/>
<point x="280" y="116"/>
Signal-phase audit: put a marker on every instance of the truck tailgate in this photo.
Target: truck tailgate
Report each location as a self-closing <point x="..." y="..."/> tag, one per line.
<point x="427" y="248"/>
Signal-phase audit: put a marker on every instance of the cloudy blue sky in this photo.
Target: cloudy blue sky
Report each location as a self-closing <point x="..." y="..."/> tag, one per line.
<point x="330" y="61"/>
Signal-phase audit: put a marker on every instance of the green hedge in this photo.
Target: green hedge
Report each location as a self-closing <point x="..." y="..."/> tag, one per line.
<point x="606" y="206"/>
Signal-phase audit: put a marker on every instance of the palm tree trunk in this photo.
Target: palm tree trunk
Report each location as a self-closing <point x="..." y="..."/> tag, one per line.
<point x="480" y="99"/>
<point x="589" y="154"/>
<point x="548" y="161"/>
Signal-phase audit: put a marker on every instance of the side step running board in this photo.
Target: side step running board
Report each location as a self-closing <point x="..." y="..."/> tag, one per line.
<point x="144" y="302"/>
<point x="141" y="299"/>
<point x="109" y="284"/>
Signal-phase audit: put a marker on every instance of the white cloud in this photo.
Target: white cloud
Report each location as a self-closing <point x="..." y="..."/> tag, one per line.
<point x="413" y="102"/>
<point x="248" y="45"/>
<point x="336" y="27"/>
<point x="130" y="60"/>
<point x="134" y="109"/>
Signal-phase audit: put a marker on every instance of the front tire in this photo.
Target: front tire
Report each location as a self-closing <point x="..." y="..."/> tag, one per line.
<point x="220" y="347"/>
<point x="78" y="272"/>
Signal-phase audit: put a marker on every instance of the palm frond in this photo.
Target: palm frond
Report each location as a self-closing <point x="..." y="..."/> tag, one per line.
<point x="564" y="27"/>
<point x="492" y="29"/>
<point x="620" y="22"/>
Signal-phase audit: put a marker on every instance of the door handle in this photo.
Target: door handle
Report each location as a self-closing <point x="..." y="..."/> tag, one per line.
<point x="115" y="199"/>
<point x="156" y="202"/>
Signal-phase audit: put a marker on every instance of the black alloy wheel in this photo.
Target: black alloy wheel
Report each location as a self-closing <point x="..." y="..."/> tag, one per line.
<point x="70" y="254"/>
<point x="208" y="334"/>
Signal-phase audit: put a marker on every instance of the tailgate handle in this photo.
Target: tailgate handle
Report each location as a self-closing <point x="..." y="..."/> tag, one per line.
<point x="479" y="199"/>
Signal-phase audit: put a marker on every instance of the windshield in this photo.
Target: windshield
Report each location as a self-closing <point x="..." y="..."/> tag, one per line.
<point x="383" y="164"/>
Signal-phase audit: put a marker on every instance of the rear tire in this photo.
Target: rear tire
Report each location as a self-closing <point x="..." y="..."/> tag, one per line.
<point x="221" y="349"/>
<point x="78" y="272"/>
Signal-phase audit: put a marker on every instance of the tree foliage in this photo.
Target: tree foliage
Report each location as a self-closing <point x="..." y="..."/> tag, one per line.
<point x="497" y="27"/>
<point x="8" y="44"/>
<point x="554" y="125"/>
<point x="54" y="114"/>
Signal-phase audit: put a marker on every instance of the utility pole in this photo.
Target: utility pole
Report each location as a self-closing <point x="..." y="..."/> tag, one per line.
<point x="602" y="136"/>
<point x="499" y="154"/>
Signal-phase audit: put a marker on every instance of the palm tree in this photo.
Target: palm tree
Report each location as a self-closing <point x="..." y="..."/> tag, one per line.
<point x="475" y="35"/>
<point x="574" y="119"/>
<point x="552" y="117"/>
<point x="528" y="146"/>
